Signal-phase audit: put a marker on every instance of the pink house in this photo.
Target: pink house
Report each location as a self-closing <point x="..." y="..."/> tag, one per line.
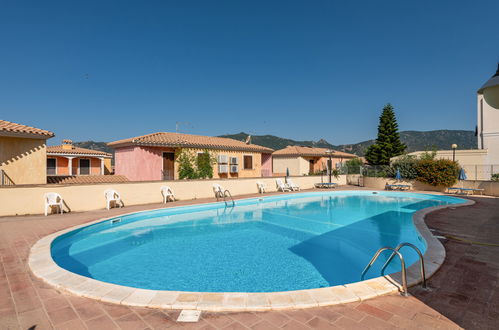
<point x="154" y="156"/>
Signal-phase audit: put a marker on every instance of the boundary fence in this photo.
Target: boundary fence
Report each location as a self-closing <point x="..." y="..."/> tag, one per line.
<point x="473" y="172"/>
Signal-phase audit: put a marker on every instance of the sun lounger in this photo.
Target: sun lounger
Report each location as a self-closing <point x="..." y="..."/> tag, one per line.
<point x="467" y="191"/>
<point x="292" y="185"/>
<point x="326" y="185"/>
<point x="281" y="186"/>
<point x="397" y="187"/>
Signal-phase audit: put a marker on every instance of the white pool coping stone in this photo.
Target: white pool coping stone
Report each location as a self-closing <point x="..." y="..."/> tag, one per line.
<point x="43" y="266"/>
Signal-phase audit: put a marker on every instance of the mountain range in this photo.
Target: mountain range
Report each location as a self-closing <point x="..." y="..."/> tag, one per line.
<point x="415" y="141"/>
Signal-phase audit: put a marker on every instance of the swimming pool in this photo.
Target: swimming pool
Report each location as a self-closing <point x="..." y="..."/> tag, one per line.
<point x="277" y="243"/>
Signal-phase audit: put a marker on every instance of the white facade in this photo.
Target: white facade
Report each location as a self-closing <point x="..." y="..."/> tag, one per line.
<point x="295" y="165"/>
<point x="488" y="119"/>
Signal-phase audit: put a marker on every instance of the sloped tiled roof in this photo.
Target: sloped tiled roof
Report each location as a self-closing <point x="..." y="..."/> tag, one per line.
<point x="309" y="152"/>
<point x="168" y="139"/>
<point x="86" y="179"/>
<point x="9" y="127"/>
<point x="54" y="150"/>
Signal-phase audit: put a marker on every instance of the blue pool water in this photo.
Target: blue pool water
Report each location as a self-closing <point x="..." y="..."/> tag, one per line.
<point x="279" y="243"/>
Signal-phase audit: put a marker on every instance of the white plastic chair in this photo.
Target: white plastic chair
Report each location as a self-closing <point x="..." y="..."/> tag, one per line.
<point x="292" y="185"/>
<point x="167" y="193"/>
<point x="113" y="196"/>
<point x="281" y="186"/>
<point x="53" y="199"/>
<point x="261" y="187"/>
<point x="218" y="190"/>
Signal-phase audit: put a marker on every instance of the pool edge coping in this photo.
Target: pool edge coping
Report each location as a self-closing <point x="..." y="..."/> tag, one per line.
<point x="44" y="267"/>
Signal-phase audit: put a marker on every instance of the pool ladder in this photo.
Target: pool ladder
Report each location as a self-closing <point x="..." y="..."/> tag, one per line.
<point x="228" y="194"/>
<point x="396" y="251"/>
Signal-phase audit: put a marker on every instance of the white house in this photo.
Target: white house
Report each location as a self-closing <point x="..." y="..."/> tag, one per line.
<point x="488" y="119"/>
<point x="481" y="163"/>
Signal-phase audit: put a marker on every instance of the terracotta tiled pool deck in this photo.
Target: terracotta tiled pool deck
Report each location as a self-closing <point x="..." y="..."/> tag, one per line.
<point x="463" y="293"/>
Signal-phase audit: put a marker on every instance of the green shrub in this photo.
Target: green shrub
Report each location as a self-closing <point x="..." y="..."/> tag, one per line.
<point x="204" y="163"/>
<point x="437" y="172"/>
<point x="428" y="155"/>
<point x="335" y="173"/>
<point x="195" y="166"/>
<point x="186" y="168"/>
<point x="495" y="177"/>
<point x="353" y="165"/>
<point x="406" y="164"/>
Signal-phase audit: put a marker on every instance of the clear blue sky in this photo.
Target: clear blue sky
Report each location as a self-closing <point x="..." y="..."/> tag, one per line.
<point x="105" y="70"/>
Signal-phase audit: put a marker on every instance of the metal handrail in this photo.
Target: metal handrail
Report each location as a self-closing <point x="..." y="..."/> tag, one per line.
<point x="230" y="195"/>
<point x="404" y="275"/>
<point x="421" y="260"/>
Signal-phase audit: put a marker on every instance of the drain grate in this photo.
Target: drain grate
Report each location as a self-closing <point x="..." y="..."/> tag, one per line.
<point x="189" y="315"/>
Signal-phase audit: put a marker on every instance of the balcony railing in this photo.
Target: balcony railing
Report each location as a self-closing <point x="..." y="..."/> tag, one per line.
<point x="5" y="180"/>
<point x="167" y="175"/>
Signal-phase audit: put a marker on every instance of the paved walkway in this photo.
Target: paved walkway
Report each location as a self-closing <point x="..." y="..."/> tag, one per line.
<point x="464" y="291"/>
<point x="466" y="288"/>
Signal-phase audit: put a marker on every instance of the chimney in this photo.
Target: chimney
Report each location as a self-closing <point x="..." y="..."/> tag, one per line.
<point x="67" y="144"/>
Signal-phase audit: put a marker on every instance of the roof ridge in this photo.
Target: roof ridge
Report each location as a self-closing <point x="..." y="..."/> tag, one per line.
<point x="191" y="140"/>
<point x="10" y="126"/>
<point x="60" y="149"/>
<point x="142" y="136"/>
<point x="310" y="151"/>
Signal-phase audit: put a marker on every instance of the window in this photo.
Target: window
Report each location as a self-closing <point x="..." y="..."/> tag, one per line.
<point x="51" y="166"/>
<point x="84" y="166"/>
<point x="248" y="162"/>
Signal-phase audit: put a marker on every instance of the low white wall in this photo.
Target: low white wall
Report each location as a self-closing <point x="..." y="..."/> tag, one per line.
<point x="491" y="188"/>
<point x="29" y="199"/>
<point x="379" y="183"/>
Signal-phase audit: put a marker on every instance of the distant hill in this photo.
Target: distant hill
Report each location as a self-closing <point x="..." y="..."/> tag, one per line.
<point x="275" y="142"/>
<point x="415" y="140"/>
<point x="100" y="146"/>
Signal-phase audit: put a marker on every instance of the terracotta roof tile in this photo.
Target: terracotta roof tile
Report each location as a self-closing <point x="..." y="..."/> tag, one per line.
<point x="54" y="150"/>
<point x="86" y="179"/>
<point x="7" y="126"/>
<point x="168" y="139"/>
<point x="309" y="151"/>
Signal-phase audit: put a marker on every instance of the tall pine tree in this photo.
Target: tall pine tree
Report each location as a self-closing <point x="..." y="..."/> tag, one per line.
<point x="387" y="143"/>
